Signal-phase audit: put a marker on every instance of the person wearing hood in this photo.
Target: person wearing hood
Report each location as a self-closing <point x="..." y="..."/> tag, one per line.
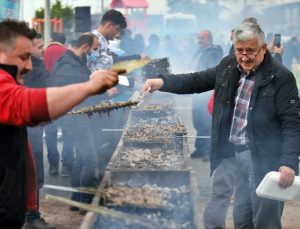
<point x="208" y="55"/>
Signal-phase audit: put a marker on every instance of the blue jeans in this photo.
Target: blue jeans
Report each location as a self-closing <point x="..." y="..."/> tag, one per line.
<point x="51" y="143"/>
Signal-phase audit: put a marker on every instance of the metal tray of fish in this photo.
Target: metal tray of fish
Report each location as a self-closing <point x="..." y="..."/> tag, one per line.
<point x="149" y="159"/>
<point x="161" y="182"/>
<point x="164" y="197"/>
<point x="154" y="136"/>
<point x="152" y="131"/>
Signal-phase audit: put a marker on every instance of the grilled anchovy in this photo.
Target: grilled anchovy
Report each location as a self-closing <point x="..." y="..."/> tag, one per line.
<point x="102" y="107"/>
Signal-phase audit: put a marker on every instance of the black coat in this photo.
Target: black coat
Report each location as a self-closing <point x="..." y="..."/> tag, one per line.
<point x="13" y="170"/>
<point x="206" y="58"/>
<point x="273" y="120"/>
<point x="69" y="69"/>
<point x="38" y="77"/>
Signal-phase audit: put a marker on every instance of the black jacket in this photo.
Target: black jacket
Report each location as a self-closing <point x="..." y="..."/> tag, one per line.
<point x="273" y="120"/>
<point x="207" y="58"/>
<point x="38" y="77"/>
<point x="13" y="177"/>
<point x="69" y="69"/>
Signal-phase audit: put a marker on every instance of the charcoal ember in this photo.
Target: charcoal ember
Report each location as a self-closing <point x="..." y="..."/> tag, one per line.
<point x="149" y="159"/>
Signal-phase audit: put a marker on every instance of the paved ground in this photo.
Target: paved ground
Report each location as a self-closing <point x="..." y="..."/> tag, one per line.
<point x="59" y="215"/>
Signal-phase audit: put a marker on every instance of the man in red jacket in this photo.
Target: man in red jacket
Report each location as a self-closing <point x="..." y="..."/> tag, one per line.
<point x="54" y="50"/>
<point x="21" y="107"/>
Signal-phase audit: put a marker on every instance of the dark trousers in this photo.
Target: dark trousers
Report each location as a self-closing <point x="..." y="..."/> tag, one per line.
<point x="51" y="143"/>
<point x="224" y="179"/>
<point x="35" y="135"/>
<point x="86" y="159"/>
<point x="251" y="211"/>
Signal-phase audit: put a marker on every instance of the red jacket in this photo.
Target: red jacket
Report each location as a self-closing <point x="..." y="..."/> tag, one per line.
<point x="52" y="53"/>
<point x="210" y="105"/>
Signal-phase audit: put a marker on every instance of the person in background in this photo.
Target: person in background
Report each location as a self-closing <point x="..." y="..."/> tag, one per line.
<point x="138" y="43"/>
<point x="21" y="107"/>
<point x="110" y="26"/>
<point x="276" y="52"/>
<point x="37" y="79"/>
<point x="291" y="52"/>
<point x="207" y="55"/>
<point x="126" y="41"/>
<point x="71" y="68"/>
<point x="54" y="50"/>
<point x="152" y="49"/>
<point x="52" y="53"/>
<point x="255" y="119"/>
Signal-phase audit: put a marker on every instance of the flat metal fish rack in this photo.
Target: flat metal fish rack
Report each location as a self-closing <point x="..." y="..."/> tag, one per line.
<point x="149" y="175"/>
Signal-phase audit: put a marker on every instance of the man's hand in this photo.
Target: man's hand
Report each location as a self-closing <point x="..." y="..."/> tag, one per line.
<point x="274" y="49"/>
<point x="279" y="50"/>
<point x="112" y="91"/>
<point x="144" y="56"/>
<point x="287" y="176"/>
<point x="153" y="84"/>
<point x="101" y="80"/>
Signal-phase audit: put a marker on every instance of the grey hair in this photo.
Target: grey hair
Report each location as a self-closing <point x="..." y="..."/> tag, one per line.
<point x="247" y="31"/>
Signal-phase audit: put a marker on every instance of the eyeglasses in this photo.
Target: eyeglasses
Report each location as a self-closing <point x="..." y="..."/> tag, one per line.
<point x="250" y="53"/>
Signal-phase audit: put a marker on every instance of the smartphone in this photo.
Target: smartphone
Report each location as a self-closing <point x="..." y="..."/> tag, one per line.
<point x="277" y="40"/>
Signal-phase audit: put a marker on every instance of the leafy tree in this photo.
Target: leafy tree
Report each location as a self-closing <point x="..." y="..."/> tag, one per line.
<point x="65" y="13"/>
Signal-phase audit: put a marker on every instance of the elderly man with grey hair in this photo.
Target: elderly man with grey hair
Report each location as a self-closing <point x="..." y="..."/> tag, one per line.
<point x="255" y="118"/>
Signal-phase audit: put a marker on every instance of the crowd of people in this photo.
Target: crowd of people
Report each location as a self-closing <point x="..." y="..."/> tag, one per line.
<point x="252" y="115"/>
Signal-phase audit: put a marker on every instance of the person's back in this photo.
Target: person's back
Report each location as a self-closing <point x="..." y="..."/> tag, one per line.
<point x="291" y="52"/>
<point x="70" y="69"/>
<point x="207" y="56"/>
<point x="153" y="49"/>
<point x="54" y="50"/>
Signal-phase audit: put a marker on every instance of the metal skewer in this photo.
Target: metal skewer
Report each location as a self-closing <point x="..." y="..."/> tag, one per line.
<point x="128" y="218"/>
